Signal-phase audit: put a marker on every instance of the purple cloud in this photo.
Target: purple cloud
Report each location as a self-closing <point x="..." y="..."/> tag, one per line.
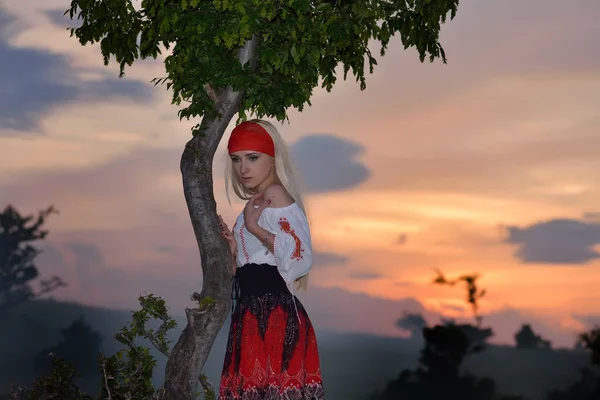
<point x="557" y="241"/>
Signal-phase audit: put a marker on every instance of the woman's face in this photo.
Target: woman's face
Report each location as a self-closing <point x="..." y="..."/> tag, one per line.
<point x="252" y="168"/>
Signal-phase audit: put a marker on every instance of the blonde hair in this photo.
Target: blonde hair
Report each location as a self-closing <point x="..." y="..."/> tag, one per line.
<point x="284" y="171"/>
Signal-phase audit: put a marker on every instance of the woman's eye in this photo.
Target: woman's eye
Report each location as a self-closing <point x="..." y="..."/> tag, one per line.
<point x="253" y="158"/>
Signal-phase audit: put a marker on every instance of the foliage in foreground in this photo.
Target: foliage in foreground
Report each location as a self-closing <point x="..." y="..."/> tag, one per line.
<point x="124" y="375"/>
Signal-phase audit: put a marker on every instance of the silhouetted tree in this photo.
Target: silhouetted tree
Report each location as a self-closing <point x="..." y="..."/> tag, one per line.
<point x="588" y="386"/>
<point x="439" y="375"/>
<point x="591" y="342"/>
<point x="414" y="323"/>
<point x="446" y="346"/>
<point x="476" y="335"/>
<point x="526" y="338"/>
<point x="17" y="256"/>
<point x="473" y="293"/>
<point x="80" y="347"/>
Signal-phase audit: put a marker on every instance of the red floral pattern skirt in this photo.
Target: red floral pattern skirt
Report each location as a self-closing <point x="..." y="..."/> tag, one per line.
<point x="272" y="350"/>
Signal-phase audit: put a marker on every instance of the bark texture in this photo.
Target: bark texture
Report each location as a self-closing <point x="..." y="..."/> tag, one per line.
<point x="189" y="355"/>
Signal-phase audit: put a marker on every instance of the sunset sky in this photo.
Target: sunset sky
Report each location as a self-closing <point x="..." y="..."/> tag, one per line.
<point x="488" y="164"/>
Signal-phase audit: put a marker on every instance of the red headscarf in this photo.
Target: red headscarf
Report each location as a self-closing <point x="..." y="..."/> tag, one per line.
<point x="251" y="136"/>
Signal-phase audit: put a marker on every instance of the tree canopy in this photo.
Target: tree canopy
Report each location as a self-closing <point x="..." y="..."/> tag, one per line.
<point x="300" y="43"/>
<point x="526" y="338"/>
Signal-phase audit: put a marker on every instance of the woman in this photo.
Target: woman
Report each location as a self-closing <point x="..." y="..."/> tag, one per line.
<point x="272" y="350"/>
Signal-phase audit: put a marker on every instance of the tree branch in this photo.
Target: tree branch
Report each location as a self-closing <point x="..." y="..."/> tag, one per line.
<point x="49" y="285"/>
<point x="211" y="93"/>
<point x="229" y="101"/>
<point x="105" y="376"/>
<point x="157" y="345"/>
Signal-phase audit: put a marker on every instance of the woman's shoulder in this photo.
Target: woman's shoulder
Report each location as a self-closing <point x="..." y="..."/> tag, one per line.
<point x="278" y="196"/>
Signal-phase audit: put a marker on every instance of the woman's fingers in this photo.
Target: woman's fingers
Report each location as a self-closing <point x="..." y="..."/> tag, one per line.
<point x="264" y="204"/>
<point x="257" y="197"/>
<point x="224" y="227"/>
<point x="226" y="232"/>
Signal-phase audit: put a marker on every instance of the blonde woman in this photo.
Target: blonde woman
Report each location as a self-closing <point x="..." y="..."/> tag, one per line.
<point x="272" y="349"/>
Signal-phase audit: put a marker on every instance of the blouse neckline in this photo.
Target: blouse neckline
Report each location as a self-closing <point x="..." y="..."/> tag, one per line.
<point x="281" y="208"/>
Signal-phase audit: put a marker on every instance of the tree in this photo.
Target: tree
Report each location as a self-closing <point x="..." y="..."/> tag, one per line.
<point x="591" y="342"/>
<point x="440" y="375"/>
<point x="476" y="335"/>
<point x="445" y="349"/>
<point x="473" y="294"/>
<point x="414" y="323"/>
<point x="17" y="258"/>
<point x="80" y="347"/>
<point x="244" y="57"/>
<point x="526" y="338"/>
<point x="588" y="386"/>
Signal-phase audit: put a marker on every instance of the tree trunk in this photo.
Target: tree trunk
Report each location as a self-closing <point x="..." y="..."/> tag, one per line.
<point x="189" y="355"/>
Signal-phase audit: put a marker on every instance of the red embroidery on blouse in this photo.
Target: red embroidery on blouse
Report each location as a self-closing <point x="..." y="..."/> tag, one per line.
<point x="275" y="248"/>
<point x="244" y="243"/>
<point x="285" y="226"/>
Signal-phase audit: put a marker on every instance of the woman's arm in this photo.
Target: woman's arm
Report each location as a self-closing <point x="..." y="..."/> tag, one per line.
<point x="290" y="244"/>
<point x="266" y="238"/>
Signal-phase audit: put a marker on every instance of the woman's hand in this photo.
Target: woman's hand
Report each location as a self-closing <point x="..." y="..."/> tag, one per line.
<point x="227" y="234"/>
<point x="253" y="209"/>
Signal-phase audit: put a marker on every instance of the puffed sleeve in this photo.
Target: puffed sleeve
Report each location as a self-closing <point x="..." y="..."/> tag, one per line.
<point x="292" y="244"/>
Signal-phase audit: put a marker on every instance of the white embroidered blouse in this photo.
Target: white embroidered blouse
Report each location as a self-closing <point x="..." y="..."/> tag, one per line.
<point x="292" y="244"/>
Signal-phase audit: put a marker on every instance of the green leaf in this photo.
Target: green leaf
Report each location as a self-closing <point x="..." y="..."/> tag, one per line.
<point x="294" y="54"/>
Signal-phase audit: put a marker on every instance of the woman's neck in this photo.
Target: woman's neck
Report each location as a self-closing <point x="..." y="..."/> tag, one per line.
<point x="263" y="186"/>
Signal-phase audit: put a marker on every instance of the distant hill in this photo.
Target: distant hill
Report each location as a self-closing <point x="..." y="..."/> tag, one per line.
<point x="354" y="365"/>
